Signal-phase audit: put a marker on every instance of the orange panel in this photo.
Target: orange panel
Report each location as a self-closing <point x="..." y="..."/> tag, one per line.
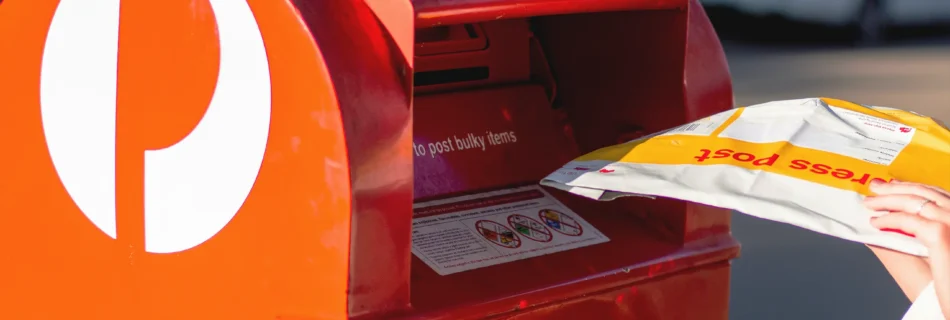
<point x="291" y="233"/>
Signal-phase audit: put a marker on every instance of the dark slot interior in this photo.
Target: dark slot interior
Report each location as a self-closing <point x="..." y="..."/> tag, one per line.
<point x="427" y="78"/>
<point x="470" y="29"/>
<point x="443" y="33"/>
<point x="432" y="34"/>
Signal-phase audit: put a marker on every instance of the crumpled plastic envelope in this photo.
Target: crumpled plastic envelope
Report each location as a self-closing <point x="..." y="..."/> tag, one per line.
<point x="805" y="162"/>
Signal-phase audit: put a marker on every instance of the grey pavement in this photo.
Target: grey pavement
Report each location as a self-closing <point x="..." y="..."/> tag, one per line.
<point x="789" y="273"/>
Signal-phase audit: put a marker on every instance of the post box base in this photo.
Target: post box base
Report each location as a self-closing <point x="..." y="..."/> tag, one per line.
<point x="701" y="293"/>
<point x="696" y="293"/>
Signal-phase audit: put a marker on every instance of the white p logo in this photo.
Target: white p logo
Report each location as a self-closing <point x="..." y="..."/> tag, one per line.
<point x="192" y="188"/>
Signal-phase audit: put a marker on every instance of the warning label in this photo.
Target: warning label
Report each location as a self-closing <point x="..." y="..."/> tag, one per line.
<point x="476" y="231"/>
<point x="530" y="228"/>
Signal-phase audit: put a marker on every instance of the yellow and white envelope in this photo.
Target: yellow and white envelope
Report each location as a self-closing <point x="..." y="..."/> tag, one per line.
<point x="805" y="162"/>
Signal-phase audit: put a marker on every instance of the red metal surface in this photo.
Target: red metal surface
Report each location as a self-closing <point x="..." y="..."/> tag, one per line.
<point x="707" y="88"/>
<point x="698" y="293"/>
<point x="450" y="39"/>
<point x="447" y="119"/>
<point x="641" y="71"/>
<point x="652" y="79"/>
<point x="372" y="81"/>
<point x="617" y="74"/>
<point x="506" y="58"/>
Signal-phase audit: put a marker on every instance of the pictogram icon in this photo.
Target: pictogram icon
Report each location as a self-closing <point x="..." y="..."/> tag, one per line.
<point x="498" y="234"/>
<point x="560" y="222"/>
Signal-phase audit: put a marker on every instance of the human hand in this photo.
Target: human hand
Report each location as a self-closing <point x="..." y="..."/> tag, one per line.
<point x="923" y="212"/>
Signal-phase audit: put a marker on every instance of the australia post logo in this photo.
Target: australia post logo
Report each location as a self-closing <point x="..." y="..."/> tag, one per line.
<point x="192" y="184"/>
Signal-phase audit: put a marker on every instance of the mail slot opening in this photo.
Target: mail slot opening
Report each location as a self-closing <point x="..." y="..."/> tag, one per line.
<point x="428" y="78"/>
<point x="556" y="86"/>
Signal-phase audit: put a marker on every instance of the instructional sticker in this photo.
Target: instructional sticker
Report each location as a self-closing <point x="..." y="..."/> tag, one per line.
<point x="530" y="228"/>
<point x="476" y="231"/>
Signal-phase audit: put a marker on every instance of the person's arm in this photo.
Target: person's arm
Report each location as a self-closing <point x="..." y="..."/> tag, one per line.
<point x="911" y="273"/>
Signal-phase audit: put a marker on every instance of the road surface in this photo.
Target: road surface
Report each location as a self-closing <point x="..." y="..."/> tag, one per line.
<point x="790" y="273"/>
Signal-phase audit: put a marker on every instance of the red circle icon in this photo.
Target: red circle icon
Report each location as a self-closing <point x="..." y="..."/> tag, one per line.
<point x="560" y="222"/>
<point x="530" y="228"/>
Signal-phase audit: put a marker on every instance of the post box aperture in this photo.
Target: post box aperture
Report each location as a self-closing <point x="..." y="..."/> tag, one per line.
<point x="500" y="103"/>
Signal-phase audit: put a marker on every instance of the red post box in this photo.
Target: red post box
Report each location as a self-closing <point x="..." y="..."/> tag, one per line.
<point x="373" y="159"/>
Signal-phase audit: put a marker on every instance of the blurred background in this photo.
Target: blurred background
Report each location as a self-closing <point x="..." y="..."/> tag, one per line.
<point x="879" y="52"/>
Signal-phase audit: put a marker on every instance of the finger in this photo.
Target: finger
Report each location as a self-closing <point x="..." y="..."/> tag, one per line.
<point x="904" y="222"/>
<point x="908" y="204"/>
<point x="921" y="191"/>
<point x="928" y="231"/>
<point x="935" y="188"/>
<point x="935" y="194"/>
<point x="894" y="202"/>
<point x="931" y="211"/>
